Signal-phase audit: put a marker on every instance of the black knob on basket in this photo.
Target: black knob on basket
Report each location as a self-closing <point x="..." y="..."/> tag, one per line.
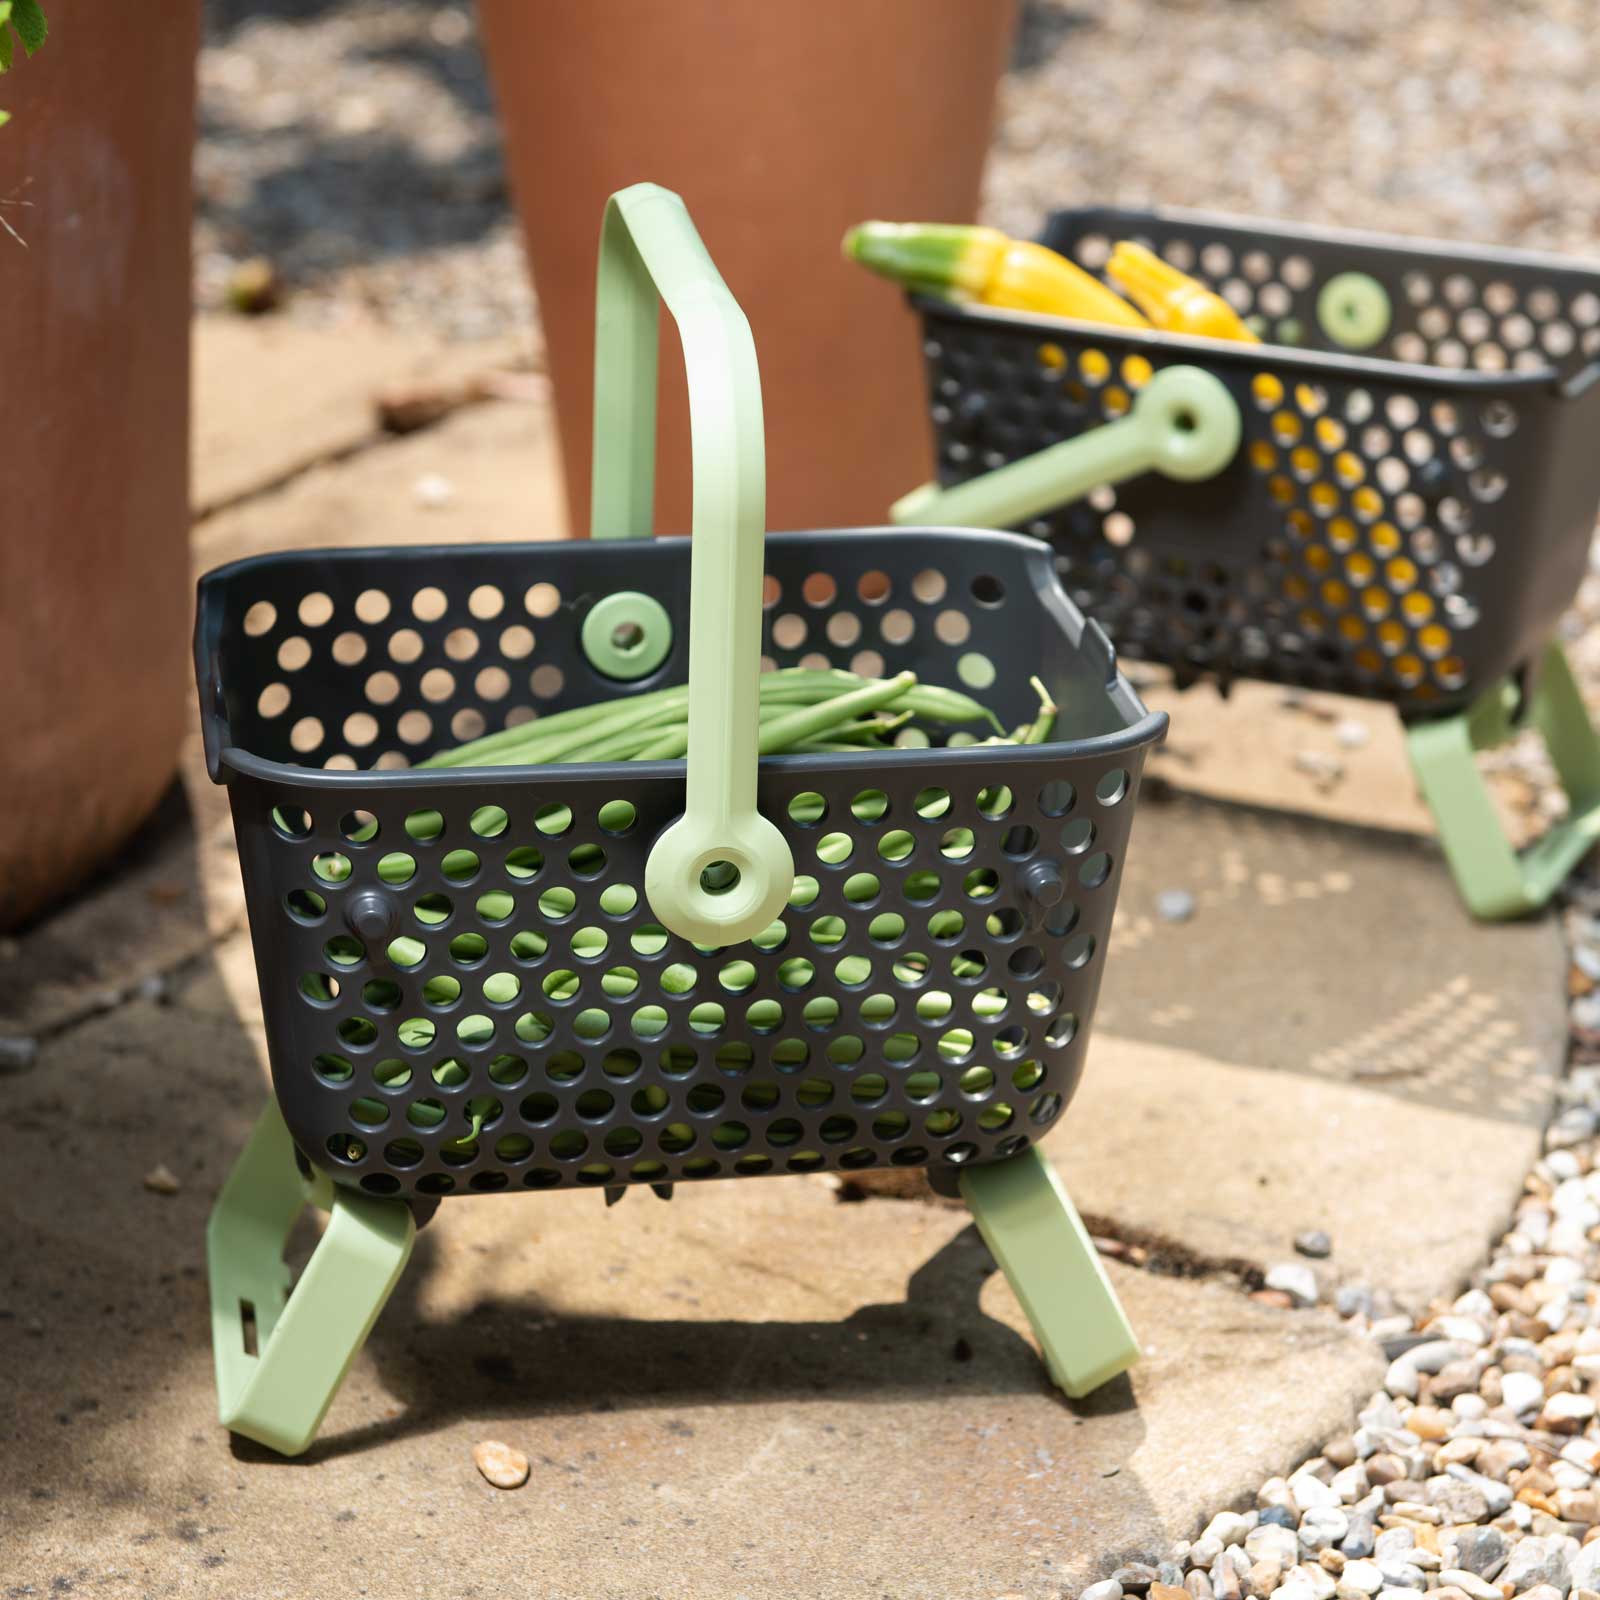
<point x="1042" y="886"/>
<point x="372" y="916"/>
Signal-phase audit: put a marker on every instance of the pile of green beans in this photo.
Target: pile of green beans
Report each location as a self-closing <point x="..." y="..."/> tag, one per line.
<point x="802" y="710"/>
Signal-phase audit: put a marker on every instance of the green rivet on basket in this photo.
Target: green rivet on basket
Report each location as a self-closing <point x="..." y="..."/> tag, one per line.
<point x="1354" y="310"/>
<point x="627" y="635"/>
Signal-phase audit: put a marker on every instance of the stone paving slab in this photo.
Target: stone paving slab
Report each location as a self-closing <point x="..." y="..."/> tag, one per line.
<point x="498" y="459"/>
<point x="755" y="1390"/>
<point x="272" y="395"/>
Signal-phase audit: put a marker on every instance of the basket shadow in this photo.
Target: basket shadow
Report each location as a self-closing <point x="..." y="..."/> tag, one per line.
<point x="523" y="1357"/>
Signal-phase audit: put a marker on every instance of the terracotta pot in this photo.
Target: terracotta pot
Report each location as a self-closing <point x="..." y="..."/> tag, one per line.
<point x="780" y="125"/>
<point x="94" y="604"/>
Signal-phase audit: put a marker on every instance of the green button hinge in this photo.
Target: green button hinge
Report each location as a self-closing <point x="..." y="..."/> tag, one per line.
<point x="1494" y="879"/>
<point x="1183" y="424"/>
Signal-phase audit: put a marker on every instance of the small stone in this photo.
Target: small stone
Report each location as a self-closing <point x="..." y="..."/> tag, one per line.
<point x="1174" y="905"/>
<point x="1585" y="1567"/>
<point x="1566" y="1413"/>
<point x="1316" y="1580"/>
<point x="1309" y="1490"/>
<point x="1225" y="1584"/>
<point x="1170" y="1573"/>
<point x="1353" y="1300"/>
<point x="1168" y="1591"/>
<point x="1351" y="734"/>
<point x="1279" y="1516"/>
<point x="254" y="286"/>
<point x="1229" y="1527"/>
<point x="1263" y="1579"/>
<point x="1534" y="1561"/>
<point x="160" y="1179"/>
<point x="1106" y="1589"/>
<point x="1481" y="1552"/>
<point x="1522" y="1393"/>
<point x="1295" y="1280"/>
<point x="503" y="1466"/>
<point x="1276" y="1492"/>
<point x="1314" y="1242"/>
<point x="1224" y="1576"/>
<point x="1323" y="1526"/>
<point x="1204" y="1550"/>
<point x="1429" y="1422"/>
<point x="1499" y="1458"/>
<point x="433" y="491"/>
<point x="1459" y="1502"/>
<point x="1385" y="1468"/>
<point x="1269" y="1542"/>
<point x="1456" y="1378"/>
<point x="1470" y="1584"/>
<point x="1197" y="1585"/>
<point x="1341" y="1451"/>
<point x="1578" y="1505"/>
<point x="1358" y="1543"/>
<point x="1359" y="1579"/>
<point x="1135" y="1578"/>
<point x="18" y="1052"/>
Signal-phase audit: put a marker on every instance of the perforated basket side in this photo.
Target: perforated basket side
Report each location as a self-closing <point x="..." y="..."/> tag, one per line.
<point x="925" y="997"/>
<point x="1394" y="532"/>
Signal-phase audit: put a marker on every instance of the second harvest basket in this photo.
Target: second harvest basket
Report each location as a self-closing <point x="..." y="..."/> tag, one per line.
<point x="511" y="979"/>
<point x="1393" y="500"/>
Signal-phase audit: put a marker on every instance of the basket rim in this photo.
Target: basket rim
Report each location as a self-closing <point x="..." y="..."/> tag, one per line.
<point x="1232" y="353"/>
<point x="224" y="759"/>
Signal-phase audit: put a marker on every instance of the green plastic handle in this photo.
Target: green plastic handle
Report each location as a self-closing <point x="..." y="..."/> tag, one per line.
<point x="721" y="872"/>
<point x="1183" y="423"/>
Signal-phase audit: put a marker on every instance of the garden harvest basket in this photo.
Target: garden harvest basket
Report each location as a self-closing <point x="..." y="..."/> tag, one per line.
<point x="636" y="973"/>
<point x="1392" y="500"/>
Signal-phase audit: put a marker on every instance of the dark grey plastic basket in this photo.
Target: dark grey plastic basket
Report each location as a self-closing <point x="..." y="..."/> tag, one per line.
<point x="1404" y="522"/>
<point x="924" y="1000"/>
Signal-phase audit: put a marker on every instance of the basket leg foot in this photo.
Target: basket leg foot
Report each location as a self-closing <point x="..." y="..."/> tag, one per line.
<point x="1036" y="1235"/>
<point x="1494" y="880"/>
<point x="280" y="1357"/>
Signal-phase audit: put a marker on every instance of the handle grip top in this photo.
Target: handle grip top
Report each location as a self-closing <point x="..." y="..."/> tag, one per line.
<point x="1183" y="423"/>
<point x="722" y="871"/>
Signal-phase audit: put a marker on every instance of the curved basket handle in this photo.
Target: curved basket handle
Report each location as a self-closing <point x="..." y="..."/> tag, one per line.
<point x="1183" y="423"/>
<point x="721" y="872"/>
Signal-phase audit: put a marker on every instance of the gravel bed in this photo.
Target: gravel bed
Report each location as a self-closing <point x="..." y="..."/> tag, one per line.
<point x="1474" y="1473"/>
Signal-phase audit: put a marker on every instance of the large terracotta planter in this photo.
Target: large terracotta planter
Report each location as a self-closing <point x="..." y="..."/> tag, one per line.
<point x="780" y="125"/>
<point x="94" y="604"/>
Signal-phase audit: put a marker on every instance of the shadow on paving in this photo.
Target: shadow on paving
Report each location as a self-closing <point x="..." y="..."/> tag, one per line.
<point x="525" y="1358"/>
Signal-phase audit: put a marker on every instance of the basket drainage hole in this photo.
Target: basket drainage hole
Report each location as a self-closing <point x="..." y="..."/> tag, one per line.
<point x="627" y="637"/>
<point x="1185" y="421"/>
<point x="720" y="877"/>
<point x="247" y="1325"/>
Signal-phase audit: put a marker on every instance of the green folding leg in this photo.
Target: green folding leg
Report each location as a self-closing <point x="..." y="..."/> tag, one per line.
<point x="1494" y="880"/>
<point x="281" y="1357"/>
<point x="1036" y="1235"/>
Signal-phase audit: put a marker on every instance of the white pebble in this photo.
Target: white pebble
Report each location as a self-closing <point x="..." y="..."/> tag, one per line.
<point x="1351" y="734"/>
<point x="433" y="491"/>
<point x="1522" y="1393"/>
<point x="1296" y="1280"/>
<point x="1359" y="1579"/>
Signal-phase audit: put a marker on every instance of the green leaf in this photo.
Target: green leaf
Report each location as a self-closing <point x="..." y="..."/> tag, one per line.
<point x="5" y="117"/>
<point x="27" y="17"/>
<point x="5" y="10"/>
<point x="5" y="45"/>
